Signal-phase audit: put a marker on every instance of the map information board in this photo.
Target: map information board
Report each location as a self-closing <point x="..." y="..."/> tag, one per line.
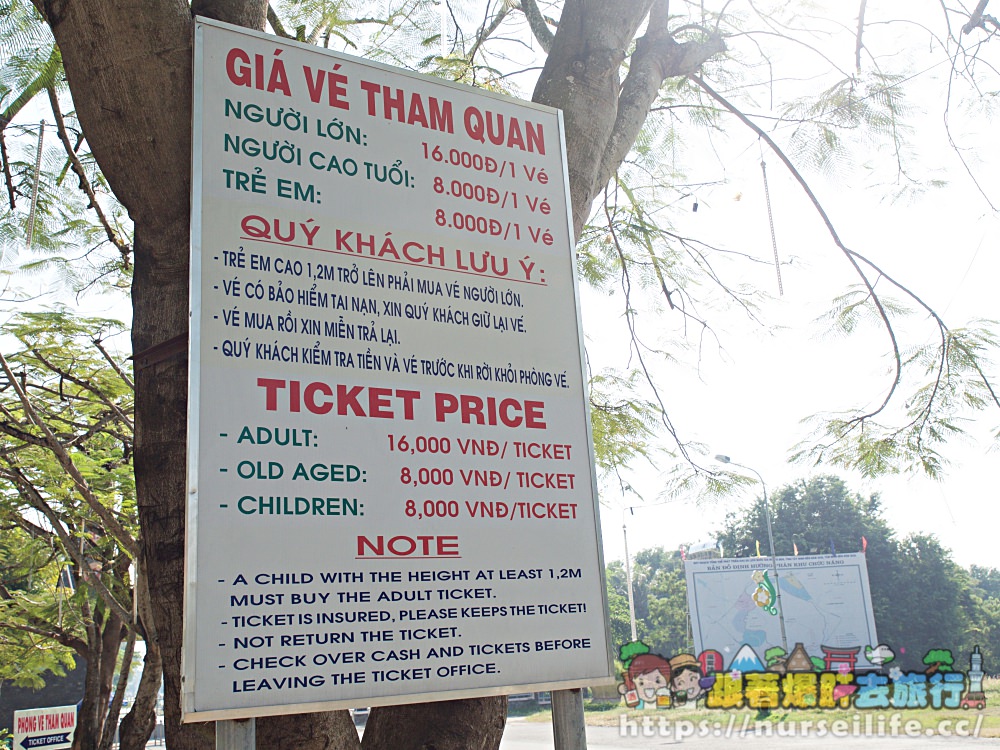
<point x="391" y="486"/>
<point x="825" y="598"/>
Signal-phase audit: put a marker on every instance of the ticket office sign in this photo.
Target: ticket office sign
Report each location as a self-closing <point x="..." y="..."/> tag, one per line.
<point x="52" y="727"/>
<point x="391" y="485"/>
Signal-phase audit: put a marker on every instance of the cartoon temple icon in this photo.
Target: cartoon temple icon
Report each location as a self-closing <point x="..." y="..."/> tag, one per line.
<point x="834" y="657"/>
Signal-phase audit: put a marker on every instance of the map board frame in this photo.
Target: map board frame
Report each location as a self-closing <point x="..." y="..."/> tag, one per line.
<point x="848" y="600"/>
<point x="333" y="188"/>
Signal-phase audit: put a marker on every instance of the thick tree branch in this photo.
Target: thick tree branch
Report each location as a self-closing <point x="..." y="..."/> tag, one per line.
<point x="24" y="437"/>
<point x="536" y="22"/>
<point x="114" y="711"/>
<point x="976" y="19"/>
<point x="276" y="24"/>
<point x="145" y="47"/>
<point x="582" y="77"/>
<point x="858" y="44"/>
<point x="8" y="178"/>
<point x="248" y="13"/>
<point x="658" y="56"/>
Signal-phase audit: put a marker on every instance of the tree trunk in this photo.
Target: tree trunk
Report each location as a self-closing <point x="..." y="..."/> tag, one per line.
<point x="160" y="456"/>
<point x="103" y="639"/>
<point x="87" y="725"/>
<point x="581" y="77"/>
<point x="603" y="114"/>
<point x="128" y="63"/>
<point x="140" y="721"/>
<point x="326" y="731"/>
<point x="475" y="724"/>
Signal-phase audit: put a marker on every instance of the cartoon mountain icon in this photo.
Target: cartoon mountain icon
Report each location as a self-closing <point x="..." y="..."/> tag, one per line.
<point x="746" y="660"/>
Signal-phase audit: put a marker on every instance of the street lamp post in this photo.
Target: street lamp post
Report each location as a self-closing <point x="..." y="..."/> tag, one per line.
<point x="628" y="564"/>
<point x="628" y="578"/>
<point x="770" y="540"/>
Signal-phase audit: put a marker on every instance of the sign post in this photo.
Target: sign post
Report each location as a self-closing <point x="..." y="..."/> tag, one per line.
<point x="569" y="729"/>
<point x="237" y="734"/>
<point x="391" y="485"/>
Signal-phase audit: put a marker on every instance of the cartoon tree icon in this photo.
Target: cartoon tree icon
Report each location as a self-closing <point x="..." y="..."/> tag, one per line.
<point x="938" y="660"/>
<point x="775" y="655"/>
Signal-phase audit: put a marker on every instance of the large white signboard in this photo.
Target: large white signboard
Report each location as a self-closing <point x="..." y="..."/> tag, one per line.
<point x="52" y="728"/>
<point x="825" y="600"/>
<point x="391" y="486"/>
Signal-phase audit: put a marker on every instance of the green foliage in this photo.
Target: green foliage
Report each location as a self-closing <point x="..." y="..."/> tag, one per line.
<point x="985" y="631"/>
<point x="29" y="574"/>
<point x="810" y="515"/>
<point x="67" y="237"/>
<point x="622" y="423"/>
<point x="32" y="58"/>
<point x="69" y="406"/>
<point x="855" y="307"/>
<point x="986" y="581"/>
<point x="660" y="594"/>
<point x="949" y="383"/>
<point x="870" y="106"/>
<point x="933" y="605"/>
<point x="621" y="631"/>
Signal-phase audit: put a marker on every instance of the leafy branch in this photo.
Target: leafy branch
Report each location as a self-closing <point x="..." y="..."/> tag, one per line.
<point x="871" y="453"/>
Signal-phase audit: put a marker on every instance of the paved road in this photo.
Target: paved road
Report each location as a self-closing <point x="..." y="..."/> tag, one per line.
<point x="530" y="735"/>
<point x="524" y="735"/>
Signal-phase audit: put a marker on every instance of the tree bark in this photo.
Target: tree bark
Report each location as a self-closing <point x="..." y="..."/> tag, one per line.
<point x="603" y="114"/>
<point x="333" y="730"/>
<point x="140" y="721"/>
<point x="581" y="77"/>
<point x="475" y="724"/>
<point x="128" y="64"/>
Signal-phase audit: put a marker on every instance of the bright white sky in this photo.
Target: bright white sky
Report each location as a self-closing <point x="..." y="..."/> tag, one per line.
<point x="749" y="403"/>
<point x="750" y="399"/>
